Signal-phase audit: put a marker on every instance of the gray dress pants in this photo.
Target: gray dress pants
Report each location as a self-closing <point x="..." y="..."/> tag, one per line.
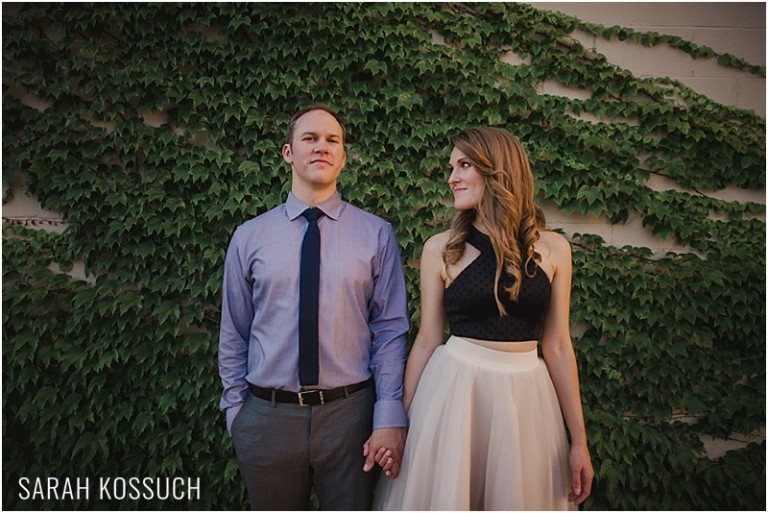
<point x="284" y="449"/>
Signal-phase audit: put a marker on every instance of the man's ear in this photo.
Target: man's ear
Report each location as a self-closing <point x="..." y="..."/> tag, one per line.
<point x="287" y="153"/>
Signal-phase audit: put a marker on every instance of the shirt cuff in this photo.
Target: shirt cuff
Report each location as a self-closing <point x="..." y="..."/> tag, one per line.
<point x="231" y="414"/>
<point x="389" y="414"/>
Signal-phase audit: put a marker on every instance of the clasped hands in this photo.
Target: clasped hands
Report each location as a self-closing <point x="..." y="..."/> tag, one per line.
<point x="385" y="447"/>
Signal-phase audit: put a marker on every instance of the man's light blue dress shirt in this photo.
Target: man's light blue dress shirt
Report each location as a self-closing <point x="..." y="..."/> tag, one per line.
<point x="363" y="311"/>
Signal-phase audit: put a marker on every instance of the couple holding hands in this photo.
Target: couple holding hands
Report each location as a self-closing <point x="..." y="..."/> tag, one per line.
<point x="319" y="387"/>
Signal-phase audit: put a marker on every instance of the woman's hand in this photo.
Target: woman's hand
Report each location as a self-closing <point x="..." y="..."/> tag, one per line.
<point x="582" y="474"/>
<point x="385" y="447"/>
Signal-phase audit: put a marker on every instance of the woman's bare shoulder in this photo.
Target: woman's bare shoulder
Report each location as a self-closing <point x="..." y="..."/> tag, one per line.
<point x="554" y="239"/>
<point x="437" y="242"/>
<point x="557" y="246"/>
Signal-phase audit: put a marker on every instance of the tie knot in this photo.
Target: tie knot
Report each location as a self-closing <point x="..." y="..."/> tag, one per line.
<point x="312" y="214"/>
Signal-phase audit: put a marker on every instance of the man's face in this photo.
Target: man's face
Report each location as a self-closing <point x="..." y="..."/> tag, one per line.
<point x="316" y="154"/>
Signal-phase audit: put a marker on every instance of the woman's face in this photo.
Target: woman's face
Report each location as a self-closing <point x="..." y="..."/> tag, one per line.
<point x="465" y="182"/>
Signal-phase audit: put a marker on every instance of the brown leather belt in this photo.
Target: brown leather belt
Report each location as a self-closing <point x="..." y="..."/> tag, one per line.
<point x="308" y="397"/>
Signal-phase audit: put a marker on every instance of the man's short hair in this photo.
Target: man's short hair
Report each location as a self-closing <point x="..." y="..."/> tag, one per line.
<point x="317" y="106"/>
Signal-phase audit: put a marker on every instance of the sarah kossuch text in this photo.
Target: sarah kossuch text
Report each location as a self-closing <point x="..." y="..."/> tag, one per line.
<point x="109" y="488"/>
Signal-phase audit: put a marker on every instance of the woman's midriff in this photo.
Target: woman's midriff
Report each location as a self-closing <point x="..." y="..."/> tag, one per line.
<point x="507" y="347"/>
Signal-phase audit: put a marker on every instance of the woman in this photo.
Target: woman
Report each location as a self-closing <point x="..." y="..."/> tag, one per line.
<point x="486" y="413"/>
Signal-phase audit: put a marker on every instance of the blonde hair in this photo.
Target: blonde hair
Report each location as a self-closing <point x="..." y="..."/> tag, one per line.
<point x="506" y="208"/>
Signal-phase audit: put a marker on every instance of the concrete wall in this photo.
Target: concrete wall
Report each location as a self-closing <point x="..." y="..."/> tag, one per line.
<point x="735" y="28"/>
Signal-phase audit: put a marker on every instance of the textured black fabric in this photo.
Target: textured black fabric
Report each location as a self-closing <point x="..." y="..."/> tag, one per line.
<point x="471" y="308"/>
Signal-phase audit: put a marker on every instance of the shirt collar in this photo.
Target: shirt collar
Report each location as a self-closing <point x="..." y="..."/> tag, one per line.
<point x="330" y="207"/>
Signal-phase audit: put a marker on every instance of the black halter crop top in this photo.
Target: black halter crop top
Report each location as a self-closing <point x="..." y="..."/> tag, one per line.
<point x="472" y="311"/>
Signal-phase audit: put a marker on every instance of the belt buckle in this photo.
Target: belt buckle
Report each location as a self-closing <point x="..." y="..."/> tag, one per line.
<point x="318" y="392"/>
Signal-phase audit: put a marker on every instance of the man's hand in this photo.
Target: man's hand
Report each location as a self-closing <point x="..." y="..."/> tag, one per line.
<point x="385" y="447"/>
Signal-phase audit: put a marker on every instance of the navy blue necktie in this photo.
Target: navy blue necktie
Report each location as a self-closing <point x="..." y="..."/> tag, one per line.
<point x="309" y="291"/>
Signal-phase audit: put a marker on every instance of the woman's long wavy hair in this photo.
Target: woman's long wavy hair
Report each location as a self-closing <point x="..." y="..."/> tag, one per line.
<point x="506" y="208"/>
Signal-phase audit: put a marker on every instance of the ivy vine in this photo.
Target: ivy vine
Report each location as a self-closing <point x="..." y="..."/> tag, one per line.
<point x="159" y="133"/>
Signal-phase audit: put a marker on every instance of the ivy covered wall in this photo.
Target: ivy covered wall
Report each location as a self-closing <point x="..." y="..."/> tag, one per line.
<point x="161" y="131"/>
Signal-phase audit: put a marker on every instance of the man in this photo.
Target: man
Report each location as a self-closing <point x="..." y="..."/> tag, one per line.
<point x="288" y="436"/>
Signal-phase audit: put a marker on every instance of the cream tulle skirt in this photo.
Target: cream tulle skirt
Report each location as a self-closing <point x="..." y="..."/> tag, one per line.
<point x="486" y="433"/>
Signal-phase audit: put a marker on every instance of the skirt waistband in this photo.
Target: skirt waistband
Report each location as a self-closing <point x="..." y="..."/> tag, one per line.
<point x="469" y="352"/>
